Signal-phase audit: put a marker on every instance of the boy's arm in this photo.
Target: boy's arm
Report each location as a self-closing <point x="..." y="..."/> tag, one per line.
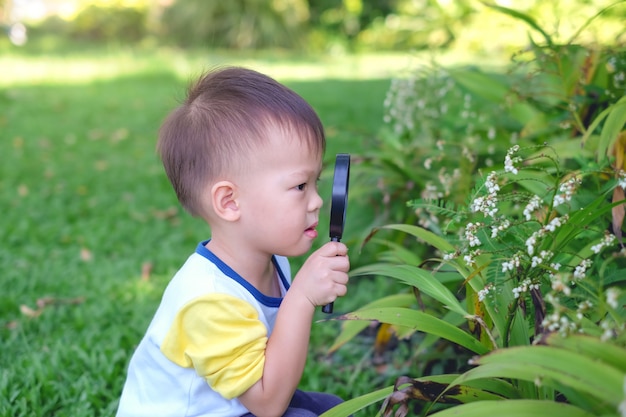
<point x="321" y="279"/>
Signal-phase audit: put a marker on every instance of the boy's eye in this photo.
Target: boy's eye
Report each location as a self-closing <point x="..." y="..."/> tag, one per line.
<point x="301" y="187"/>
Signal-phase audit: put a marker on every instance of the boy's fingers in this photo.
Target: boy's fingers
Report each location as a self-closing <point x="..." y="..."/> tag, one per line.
<point x="335" y="249"/>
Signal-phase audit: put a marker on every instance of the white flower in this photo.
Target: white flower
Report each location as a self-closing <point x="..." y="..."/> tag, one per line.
<point x="470" y="234"/>
<point x="449" y="256"/>
<point x="482" y="294"/>
<point x="579" y="271"/>
<point x="560" y="285"/>
<point x="470" y="258"/>
<point x="512" y="264"/>
<point x="524" y="286"/>
<point x="491" y="183"/>
<point x="533" y="204"/>
<point x="505" y="224"/>
<point x="566" y="190"/>
<point x="508" y="166"/>
<point x="485" y="205"/>
<point x="509" y="162"/>
<point x="556" y="222"/>
<point x="606" y="241"/>
<point x="611" y="297"/>
<point x="608" y="330"/>
<point x="582" y="308"/>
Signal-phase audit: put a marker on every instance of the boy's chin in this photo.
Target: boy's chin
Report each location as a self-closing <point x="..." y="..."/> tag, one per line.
<point x="296" y="251"/>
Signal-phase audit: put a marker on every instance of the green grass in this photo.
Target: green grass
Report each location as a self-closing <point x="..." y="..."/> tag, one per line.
<point x="86" y="205"/>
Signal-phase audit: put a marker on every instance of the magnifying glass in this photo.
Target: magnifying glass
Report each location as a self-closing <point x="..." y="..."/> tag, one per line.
<point x="338" y="204"/>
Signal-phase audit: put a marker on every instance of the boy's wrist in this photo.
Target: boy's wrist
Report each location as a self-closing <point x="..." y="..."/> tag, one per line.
<point x="300" y="297"/>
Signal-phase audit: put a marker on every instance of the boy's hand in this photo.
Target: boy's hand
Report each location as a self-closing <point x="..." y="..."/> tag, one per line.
<point x="324" y="275"/>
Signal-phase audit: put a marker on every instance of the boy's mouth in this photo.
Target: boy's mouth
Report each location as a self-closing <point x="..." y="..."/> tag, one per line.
<point x="311" y="231"/>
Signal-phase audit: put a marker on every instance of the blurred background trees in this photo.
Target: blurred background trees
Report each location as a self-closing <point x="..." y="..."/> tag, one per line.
<point x="304" y="25"/>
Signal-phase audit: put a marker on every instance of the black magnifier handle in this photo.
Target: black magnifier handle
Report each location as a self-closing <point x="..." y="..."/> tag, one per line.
<point x="338" y="204"/>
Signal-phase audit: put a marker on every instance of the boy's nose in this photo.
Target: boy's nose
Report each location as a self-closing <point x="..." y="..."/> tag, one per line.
<point x="316" y="202"/>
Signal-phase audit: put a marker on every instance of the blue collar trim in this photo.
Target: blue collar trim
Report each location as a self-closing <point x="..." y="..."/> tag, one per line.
<point x="202" y="250"/>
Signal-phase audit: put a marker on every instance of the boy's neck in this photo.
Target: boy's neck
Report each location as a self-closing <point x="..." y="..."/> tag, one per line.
<point x="255" y="268"/>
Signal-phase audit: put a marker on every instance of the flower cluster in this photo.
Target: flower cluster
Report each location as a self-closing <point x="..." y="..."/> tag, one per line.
<point x="579" y="271"/>
<point x="513" y="263"/>
<point x="470" y="234"/>
<point x="534" y="203"/>
<point x="607" y="241"/>
<point x="531" y="242"/>
<point x="566" y="190"/>
<point x="544" y="270"/>
<point x="488" y="204"/>
<point x="525" y="286"/>
<point x="509" y="161"/>
<point x="482" y="294"/>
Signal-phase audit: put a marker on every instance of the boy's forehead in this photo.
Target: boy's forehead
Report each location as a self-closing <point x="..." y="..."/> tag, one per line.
<point x="290" y="136"/>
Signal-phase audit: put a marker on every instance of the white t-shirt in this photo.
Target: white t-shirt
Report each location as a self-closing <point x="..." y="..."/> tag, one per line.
<point x="206" y="343"/>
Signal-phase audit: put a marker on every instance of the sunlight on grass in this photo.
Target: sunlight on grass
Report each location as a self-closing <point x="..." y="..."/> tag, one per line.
<point x="22" y="69"/>
<point x="86" y="66"/>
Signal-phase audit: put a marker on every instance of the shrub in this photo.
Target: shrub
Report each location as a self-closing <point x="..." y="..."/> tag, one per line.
<point x="522" y="208"/>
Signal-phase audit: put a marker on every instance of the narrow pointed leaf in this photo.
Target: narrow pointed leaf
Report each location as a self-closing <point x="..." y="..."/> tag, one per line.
<point x="418" y="278"/>
<point x="513" y="408"/>
<point x="423" y="234"/>
<point x="419" y="321"/>
<point x="592" y="347"/>
<point x="350" y="329"/>
<point x="613" y="125"/>
<point x="523" y="17"/>
<point x="355" y="404"/>
<point x="551" y="367"/>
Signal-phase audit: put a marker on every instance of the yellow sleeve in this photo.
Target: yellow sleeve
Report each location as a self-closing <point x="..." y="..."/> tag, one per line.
<point x="222" y="338"/>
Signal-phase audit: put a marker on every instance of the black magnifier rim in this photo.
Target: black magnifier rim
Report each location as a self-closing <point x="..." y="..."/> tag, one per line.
<point x="339" y="200"/>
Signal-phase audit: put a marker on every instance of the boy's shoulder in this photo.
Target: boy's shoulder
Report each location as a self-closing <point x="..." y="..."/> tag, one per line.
<point x="197" y="277"/>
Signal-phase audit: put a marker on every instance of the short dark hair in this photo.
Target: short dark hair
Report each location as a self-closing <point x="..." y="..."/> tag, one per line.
<point x="227" y="113"/>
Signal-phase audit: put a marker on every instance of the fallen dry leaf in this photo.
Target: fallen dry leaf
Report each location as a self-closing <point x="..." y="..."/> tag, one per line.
<point x="146" y="270"/>
<point x="44" y="302"/>
<point x="86" y="255"/>
<point x="29" y="312"/>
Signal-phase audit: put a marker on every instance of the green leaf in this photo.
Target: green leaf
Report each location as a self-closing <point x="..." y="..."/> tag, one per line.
<point x="355" y="404"/>
<point x="481" y="84"/>
<point x="350" y="329"/>
<point x="419" y="321"/>
<point x="592" y="347"/>
<point x="423" y="234"/>
<point x="416" y="277"/>
<point x="615" y="116"/>
<point x="613" y="125"/>
<point x="513" y="408"/>
<point x="523" y="17"/>
<point x="552" y="367"/>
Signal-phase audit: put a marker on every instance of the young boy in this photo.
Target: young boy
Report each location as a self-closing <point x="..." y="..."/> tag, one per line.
<point x="231" y="334"/>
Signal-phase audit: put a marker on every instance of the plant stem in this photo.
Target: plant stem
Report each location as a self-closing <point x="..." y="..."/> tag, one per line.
<point x="509" y="322"/>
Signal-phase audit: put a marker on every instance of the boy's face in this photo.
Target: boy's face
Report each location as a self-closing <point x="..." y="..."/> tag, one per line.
<point x="278" y="196"/>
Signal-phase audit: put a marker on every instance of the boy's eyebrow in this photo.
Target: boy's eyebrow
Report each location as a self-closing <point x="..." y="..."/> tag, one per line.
<point x="306" y="173"/>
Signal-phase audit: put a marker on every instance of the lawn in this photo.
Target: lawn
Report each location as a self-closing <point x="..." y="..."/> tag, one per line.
<point x="92" y="231"/>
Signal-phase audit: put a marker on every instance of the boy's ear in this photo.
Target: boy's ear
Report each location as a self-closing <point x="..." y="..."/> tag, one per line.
<point x="223" y="198"/>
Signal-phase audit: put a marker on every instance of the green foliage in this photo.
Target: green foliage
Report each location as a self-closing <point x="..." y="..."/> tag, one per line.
<point x="99" y="23"/>
<point x="517" y="245"/>
<point x="242" y="24"/>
